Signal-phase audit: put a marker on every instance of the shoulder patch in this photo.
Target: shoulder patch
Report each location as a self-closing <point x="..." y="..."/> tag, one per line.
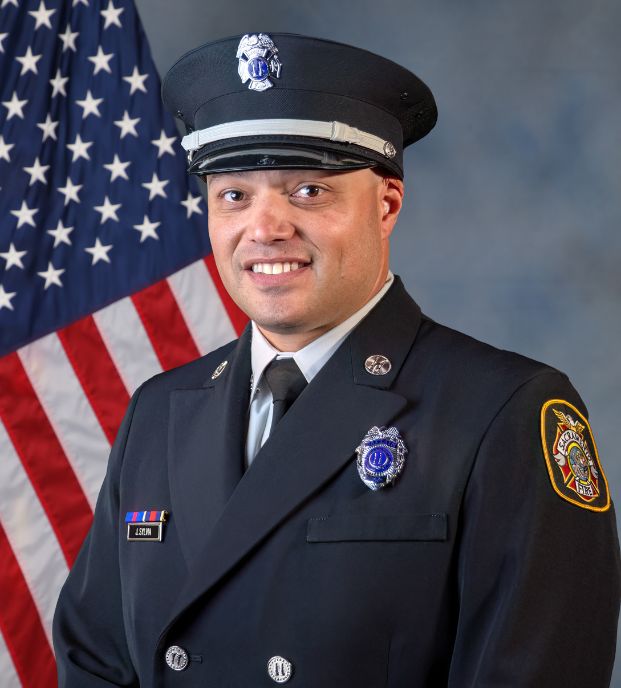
<point x="571" y="456"/>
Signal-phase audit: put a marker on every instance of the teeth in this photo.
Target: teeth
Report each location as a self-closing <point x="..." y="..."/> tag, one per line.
<point x="275" y="268"/>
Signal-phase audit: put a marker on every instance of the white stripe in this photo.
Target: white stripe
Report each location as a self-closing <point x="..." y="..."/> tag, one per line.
<point x="201" y="306"/>
<point x="329" y="131"/>
<point x="127" y="343"/>
<point x="30" y="534"/>
<point x="7" y="669"/>
<point x="69" y="411"/>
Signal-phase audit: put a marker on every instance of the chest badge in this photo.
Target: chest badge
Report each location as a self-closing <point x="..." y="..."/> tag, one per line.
<point x="145" y="526"/>
<point x="258" y="61"/>
<point x="381" y="457"/>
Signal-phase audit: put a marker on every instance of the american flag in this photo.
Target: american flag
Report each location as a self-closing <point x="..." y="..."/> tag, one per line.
<point x="106" y="278"/>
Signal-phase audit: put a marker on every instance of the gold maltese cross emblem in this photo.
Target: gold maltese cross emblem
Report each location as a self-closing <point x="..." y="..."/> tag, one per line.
<point x="571" y="456"/>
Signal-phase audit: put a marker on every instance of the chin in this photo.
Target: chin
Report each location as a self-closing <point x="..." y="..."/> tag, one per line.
<point x="282" y="325"/>
<point x="279" y="317"/>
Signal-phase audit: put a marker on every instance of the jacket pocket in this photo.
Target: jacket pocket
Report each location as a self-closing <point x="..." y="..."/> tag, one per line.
<point x="380" y="528"/>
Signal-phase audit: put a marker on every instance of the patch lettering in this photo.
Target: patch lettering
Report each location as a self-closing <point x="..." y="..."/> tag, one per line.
<point x="571" y="456"/>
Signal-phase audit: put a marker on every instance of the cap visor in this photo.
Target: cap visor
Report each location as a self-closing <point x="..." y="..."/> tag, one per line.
<point x="274" y="157"/>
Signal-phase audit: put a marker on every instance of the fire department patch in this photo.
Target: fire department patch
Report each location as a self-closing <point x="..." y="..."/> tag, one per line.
<point x="571" y="456"/>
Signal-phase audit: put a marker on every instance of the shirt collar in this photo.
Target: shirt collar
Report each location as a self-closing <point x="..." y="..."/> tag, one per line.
<point x="315" y="355"/>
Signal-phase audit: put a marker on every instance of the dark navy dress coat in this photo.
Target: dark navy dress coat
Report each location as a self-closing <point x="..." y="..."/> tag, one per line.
<point x="471" y="570"/>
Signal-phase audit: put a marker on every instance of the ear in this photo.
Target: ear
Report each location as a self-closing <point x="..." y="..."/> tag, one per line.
<point x="391" y="199"/>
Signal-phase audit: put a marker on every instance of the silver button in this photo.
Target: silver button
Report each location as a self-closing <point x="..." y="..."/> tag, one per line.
<point x="389" y="150"/>
<point x="377" y="365"/>
<point x="177" y="658"/>
<point x="279" y="669"/>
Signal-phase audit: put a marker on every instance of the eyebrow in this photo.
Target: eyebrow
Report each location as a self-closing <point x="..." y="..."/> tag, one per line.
<point x="217" y="175"/>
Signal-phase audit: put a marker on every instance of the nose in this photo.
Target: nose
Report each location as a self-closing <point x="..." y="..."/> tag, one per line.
<point x="269" y="219"/>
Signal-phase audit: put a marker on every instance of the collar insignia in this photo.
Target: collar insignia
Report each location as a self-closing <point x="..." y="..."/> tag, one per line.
<point x="377" y="365"/>
<point x="219" y="370"/>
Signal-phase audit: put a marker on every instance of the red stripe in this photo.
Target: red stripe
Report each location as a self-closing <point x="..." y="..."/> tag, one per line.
<point x="134" y="516"/>
<point x="237" y="317"/>
<point x="165" y="326"/>
<point x="43" y="458"/>
<point x="153" y="516"/>
<point x="97" y="373"/>
<point x="21" y="625"/>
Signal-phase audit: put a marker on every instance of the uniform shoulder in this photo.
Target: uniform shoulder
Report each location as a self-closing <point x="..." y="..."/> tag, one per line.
<point x="472" y="379"/>
<point x="476" y="359"/>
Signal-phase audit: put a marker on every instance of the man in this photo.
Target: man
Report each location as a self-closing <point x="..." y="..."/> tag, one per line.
<point x="351" y="494"/>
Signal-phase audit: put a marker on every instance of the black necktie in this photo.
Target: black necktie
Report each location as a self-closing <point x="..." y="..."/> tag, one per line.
<point x="285" y="381"/>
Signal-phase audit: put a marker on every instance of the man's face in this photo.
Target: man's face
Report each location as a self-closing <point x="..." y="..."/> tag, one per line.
<point x="301" y="250"/>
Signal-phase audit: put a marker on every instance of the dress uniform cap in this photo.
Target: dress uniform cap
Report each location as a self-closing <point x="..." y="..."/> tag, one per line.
<point x="284" y="100"/>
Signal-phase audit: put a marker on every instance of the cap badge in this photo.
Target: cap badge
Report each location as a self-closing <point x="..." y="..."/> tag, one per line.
<point x="258" y="60"/>
<point x="381" y="457"/>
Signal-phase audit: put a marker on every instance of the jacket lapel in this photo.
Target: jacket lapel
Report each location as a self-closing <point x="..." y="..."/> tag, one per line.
<point x="312" y="442"/>
<point x="205" y="463"/>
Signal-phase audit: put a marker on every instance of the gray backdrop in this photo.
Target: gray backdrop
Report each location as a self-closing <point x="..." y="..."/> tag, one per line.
<point x="510" y="230"/>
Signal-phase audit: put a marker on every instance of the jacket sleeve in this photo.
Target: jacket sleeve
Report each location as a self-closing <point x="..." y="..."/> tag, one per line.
<point x="88" y="630"/>
<point x="539" y="576"/>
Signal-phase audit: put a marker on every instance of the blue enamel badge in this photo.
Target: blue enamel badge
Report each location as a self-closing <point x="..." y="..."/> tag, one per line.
<point x="381" y="457"/>
<point x="258" y="61"/>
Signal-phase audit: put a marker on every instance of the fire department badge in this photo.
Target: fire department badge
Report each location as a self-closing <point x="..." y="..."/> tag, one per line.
<point x="258" y="60"/>
<point x="571" y="456"/>
<point x="381" y="457"/>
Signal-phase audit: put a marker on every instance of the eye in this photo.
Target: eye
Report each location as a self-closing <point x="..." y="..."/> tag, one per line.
<point x="232" y="195"/>
<point x="308" y="191"/>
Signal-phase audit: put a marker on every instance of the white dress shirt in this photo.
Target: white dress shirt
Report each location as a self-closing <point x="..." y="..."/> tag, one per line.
<point x="310" y="361"/>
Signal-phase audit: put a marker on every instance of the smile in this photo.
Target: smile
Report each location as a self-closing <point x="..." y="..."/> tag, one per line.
<point x="276" y="268"/>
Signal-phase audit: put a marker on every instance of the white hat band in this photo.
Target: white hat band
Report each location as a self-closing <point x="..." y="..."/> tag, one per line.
<point x="330" y="131"/>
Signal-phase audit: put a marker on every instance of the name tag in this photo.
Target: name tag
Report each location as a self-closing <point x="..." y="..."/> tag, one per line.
<point x="146" y="525"/>
<point x="151" y="532"/>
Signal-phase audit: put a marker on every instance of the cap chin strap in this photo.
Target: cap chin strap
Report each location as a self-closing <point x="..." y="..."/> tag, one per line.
<point x="330" y="131"/>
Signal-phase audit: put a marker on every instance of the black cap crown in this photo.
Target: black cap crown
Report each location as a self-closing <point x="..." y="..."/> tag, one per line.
<point x="283" y="100"/>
